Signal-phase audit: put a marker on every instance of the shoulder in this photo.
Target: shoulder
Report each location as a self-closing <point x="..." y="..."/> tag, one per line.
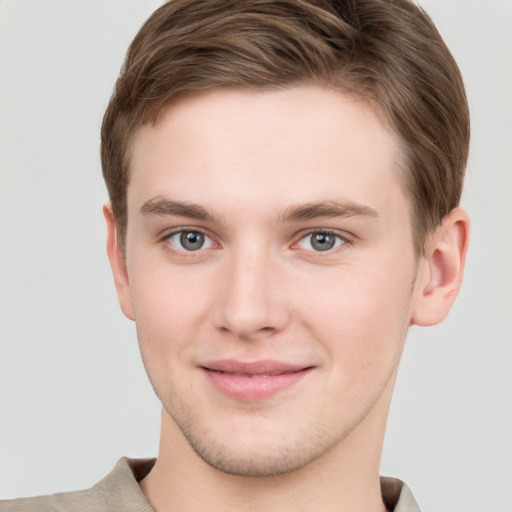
<point x="119" y="490"/>
<point x="66" y="501"/>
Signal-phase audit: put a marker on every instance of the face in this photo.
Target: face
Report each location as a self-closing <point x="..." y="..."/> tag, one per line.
<point x="270" y="272"/>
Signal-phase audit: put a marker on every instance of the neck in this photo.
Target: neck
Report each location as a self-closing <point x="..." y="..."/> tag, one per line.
<point x="344" y="479"/>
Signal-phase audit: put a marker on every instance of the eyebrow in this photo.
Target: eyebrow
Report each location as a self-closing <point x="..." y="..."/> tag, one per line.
<point x="307" y="211"/>
<point x="162" y="206"/>
<point x="315" y="210"/>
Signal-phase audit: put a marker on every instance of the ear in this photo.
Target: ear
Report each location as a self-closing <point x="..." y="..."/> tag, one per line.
<point x="118" y="264"/>
<point x="441" y="269"/>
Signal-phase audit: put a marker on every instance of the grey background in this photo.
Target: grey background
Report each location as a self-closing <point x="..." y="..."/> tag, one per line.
<point x="73" y="394"/>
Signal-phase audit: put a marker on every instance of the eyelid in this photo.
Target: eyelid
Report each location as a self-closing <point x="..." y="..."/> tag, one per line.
<point x="168" y="232"/>
<point x="181" y="229"/>
<point x="344" y="237"/>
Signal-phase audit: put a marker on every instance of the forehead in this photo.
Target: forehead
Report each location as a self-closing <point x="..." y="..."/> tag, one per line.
<point x="266" y="150"/>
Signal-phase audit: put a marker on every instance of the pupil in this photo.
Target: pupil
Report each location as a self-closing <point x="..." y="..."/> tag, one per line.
<point x="192" y="240"/>
<point x="322" y="241"/>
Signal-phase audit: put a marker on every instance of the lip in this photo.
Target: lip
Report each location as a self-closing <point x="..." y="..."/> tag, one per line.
<point x="253" y="381"/>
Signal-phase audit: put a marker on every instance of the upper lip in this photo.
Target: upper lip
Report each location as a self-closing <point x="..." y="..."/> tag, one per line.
<point x="262" y="367"/>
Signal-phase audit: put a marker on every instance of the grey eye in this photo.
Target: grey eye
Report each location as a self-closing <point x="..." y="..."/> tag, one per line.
<point x="189" y="241"/>
<point x="321" y="241"/>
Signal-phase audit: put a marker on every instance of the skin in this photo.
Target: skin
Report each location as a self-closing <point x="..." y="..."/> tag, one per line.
<point x="271" y="169"/>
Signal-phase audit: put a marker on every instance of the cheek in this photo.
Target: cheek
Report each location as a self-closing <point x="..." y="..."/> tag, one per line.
<point x="166" y="319"/>
<point x="360" y="314"/>
<point x="169" y="306"/>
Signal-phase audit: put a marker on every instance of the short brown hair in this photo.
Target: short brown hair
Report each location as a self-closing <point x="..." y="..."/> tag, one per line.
<point x="387" y="52"/>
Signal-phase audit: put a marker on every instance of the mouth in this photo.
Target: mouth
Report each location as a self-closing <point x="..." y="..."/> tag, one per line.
<point x="253" y="381"/>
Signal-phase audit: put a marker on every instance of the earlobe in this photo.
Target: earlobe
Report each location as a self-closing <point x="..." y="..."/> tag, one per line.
<point x="118" y="264"/>
<point x="443" y="267"/>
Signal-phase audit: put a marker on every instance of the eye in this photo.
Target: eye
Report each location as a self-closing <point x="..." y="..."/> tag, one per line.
<point x="321" y="241"/>
<point x="190" y="240"/>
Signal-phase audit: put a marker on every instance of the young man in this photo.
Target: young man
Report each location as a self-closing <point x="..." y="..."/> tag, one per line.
<point x="284" y="180"/>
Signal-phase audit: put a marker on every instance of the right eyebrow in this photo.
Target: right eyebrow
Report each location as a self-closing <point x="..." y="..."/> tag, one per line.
<point x="162" y="206"/>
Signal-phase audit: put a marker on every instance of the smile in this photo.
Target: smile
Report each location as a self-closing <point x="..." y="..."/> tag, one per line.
<point x="255" y="381"/>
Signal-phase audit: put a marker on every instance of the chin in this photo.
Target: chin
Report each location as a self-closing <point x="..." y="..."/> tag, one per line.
<point x="257" y="451"/>
<point x="257" y="462"/>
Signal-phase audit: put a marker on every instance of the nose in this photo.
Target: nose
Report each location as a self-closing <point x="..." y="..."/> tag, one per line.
<point x="251" y="300"/>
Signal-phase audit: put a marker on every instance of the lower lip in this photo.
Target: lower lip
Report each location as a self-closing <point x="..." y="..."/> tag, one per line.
<point x="254" y="388"/>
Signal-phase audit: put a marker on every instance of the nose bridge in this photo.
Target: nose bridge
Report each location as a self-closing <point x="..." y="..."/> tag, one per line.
<point x="249" y="302"/>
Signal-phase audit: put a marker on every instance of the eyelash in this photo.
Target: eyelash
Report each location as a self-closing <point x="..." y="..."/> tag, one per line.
<point x="183" y="253"/>
<point x="341" y="241"/>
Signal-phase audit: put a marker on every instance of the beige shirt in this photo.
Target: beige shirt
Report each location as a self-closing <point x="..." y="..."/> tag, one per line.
<point x="119" y="491"/>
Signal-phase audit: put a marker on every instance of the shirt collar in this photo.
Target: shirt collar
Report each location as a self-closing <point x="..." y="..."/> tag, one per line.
<point x="124" y="480"/>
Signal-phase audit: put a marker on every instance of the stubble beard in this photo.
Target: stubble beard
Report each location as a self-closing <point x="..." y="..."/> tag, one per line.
<point x="302" y="446"/>
<point x="298" y="448"/>
<point x="259" y="460"/>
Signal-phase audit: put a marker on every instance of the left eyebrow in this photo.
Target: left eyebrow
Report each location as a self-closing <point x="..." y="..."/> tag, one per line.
<point x="310" y="211"/>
